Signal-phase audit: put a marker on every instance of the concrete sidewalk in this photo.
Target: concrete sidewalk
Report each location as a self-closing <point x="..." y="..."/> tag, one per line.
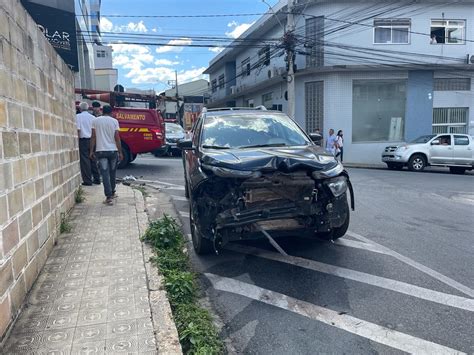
<point x="92" y="296"/>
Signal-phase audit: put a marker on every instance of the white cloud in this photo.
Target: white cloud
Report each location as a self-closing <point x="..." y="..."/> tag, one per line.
<point x="216" y="49"/>
<point x="165" y="62"/>
<point x="136" y="27"/>
<point x="130" y="49"/>
<point x="175" y="45"/>
<point x="237" y="29"/>
<point x="154" y="75"/>
<point x="106" y="25"/>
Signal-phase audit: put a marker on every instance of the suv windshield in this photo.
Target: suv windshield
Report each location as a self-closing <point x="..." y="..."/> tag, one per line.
<point x="246" y="130"/>
<point x="423" y="139"/>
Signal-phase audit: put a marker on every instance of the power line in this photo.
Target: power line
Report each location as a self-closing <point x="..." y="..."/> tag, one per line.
<point x="181" y="16"/>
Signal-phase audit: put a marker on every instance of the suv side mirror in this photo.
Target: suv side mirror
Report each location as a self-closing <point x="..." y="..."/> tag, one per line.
<point x="185" y="145"/>
<point x="316" y="137"/>
<point x="435" y="142"/>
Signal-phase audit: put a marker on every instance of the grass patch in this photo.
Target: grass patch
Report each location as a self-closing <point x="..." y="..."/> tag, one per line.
<point x="142" y="189"/>
<point x="197" y="333"/>
<point x="79" y="195"/>
<point x="64" y="226"/>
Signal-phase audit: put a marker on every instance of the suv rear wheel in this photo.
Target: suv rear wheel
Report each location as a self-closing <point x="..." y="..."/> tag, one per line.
<point x="417" y="162"/>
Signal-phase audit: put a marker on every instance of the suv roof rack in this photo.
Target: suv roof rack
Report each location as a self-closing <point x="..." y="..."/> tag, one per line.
<point x="260" y="108"/>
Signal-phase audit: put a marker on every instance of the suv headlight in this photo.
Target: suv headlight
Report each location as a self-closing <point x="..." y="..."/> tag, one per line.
<point x="402" y="149"/>
<point x="335" y="171"/>
<point x="337" y="186"/>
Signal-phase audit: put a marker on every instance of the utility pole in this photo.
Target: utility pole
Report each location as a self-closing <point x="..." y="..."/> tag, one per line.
<point x="178" y="110"/>
<point x="289" y="44"/>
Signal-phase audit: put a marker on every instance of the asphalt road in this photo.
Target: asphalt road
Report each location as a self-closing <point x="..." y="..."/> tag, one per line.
<point x="401" y="280"/>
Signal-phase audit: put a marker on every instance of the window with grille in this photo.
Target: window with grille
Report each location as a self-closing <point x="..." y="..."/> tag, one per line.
<point x="314" y="29"/>
<point x="264" y="56"/>
<point x="221" y="81"/>
<point x="214" y="85"/>
<point x="314" y="106"/>
<point x="452" y="84"/>
<point x="450" y="120"/>
<point x="246" y="67"/>
<point x="392" y="31"/>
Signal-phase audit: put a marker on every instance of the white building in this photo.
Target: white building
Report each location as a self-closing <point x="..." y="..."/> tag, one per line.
<point x="369" y="68"/>
<point x="193" y="88"/>
<point x="105" y="75"/>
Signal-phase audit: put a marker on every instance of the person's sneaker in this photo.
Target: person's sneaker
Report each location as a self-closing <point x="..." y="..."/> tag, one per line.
<point x="109" y="201"/>
<point x="97" y="182"/>
<point x="86" y="184"/>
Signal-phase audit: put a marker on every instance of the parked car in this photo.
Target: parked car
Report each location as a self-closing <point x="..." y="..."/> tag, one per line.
<point x="451" y="150"/>
<point x="174" y="134"/>
<point x="247" y="170"/>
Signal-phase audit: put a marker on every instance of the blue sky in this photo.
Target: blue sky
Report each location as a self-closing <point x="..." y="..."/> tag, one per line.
<point x="150" y="67"/>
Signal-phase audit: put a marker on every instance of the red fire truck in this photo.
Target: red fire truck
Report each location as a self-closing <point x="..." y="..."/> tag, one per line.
<point x="142" y="130"/>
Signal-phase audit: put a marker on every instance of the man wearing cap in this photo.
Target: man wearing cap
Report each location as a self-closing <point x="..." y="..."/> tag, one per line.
<point x="84" y="131"/>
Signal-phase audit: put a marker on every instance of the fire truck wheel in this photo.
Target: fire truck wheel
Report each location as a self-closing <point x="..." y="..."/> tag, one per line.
<point x="126" y="157"/>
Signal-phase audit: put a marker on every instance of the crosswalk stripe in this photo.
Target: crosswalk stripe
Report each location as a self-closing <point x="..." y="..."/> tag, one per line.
<point x="373" y="280"/>
<point x="371" y="331"/>
<point x="179" y="198"/>
<point x="435" y="274"/>
<point x="184" y="214"/>
<point x="360" y="245"/>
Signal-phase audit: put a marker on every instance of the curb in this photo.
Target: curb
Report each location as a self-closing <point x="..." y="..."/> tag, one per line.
<point x="164" y="327"/>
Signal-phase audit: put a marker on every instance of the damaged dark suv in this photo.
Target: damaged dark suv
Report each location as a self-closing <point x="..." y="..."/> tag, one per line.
<point x="251" y="173"/>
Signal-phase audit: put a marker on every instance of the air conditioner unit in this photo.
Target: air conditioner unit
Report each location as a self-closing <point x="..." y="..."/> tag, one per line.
<point x="470" y="59"/>
<point x="233" y="89"/>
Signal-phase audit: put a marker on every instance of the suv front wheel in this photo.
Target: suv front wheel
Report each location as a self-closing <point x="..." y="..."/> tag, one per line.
<point x="417" y="162"/>
<point x="201" y="244"/>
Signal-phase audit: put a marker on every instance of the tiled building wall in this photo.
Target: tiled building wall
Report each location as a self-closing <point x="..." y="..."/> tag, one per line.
<point x="39" y="168"/>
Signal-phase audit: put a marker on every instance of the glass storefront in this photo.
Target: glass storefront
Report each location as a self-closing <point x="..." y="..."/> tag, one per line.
<point x="378" y="110"/>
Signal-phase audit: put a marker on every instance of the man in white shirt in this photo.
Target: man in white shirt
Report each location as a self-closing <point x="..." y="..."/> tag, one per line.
<point x="106" y="144"/>
<point x="331" y="142"/>
<point x="84" y="131"/>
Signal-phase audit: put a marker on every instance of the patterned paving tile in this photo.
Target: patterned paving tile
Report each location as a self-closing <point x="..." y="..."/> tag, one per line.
<point x="90" y="333"/>
<point x="93" y="348"/>
<point x="62" y="320"/>
<point x="122" y="345"/>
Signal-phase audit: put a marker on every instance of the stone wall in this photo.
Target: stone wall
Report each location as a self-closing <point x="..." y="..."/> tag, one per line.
<point x="39" y="169"/>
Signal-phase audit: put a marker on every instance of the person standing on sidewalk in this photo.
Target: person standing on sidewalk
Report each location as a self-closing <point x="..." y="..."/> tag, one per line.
<point x="105" y="142"/>
<point x="84" y="131"/>
<point x="331" y="142"/>
<point x="340" y="145"/>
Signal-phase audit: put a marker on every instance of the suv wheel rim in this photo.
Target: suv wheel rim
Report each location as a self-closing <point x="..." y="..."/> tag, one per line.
<point x="417" y="164"/>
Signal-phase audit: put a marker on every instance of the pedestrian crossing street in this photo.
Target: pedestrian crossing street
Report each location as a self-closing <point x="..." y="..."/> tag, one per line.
<point x="382" y="289"/>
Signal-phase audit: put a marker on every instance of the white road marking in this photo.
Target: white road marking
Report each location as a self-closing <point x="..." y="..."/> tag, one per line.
<point x="371" y="331"/>
<point x="184" y="214"/>
<point x="435" y="274"/>
<point x="369" y="279"/>
<point x="189" y="237"/>
<point x="179" y="198"/>
<point x="360" y="245"/>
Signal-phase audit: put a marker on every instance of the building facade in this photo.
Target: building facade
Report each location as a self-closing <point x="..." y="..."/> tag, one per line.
<point x="380" y="71"/>
<point x="105" y="75"/>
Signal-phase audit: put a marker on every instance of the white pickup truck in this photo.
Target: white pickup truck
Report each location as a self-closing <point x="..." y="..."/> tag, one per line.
<point x="455" y="151"/>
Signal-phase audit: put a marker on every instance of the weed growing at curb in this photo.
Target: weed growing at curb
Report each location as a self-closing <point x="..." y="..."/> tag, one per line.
<point x="64" y="227"/>
<point x="79" y="195"/>
<point x="142" y="189"/>
<point x="197" y="333"/>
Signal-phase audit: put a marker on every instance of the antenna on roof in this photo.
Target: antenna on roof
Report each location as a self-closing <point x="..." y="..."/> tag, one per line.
<point x="274" y="13"/>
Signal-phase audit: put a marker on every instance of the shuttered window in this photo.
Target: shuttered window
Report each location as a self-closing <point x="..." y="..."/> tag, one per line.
<point x="450" y="120"/>
<point x="452" y="84"/>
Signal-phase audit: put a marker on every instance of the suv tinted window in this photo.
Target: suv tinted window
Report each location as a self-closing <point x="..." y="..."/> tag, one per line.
<point x="461" y="140"/>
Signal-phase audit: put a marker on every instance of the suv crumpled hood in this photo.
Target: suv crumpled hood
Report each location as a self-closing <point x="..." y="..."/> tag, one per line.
<point x="273" y="158"/>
